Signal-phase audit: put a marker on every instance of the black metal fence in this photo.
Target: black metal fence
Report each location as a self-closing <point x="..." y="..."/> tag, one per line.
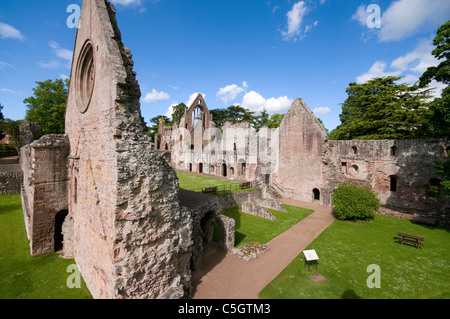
<point x="225" y="189"/>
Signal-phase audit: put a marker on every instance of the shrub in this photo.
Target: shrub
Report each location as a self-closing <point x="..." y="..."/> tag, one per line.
<point x="355" y="203"/>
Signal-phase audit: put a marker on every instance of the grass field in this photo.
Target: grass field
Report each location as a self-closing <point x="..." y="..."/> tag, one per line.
<point x="251" y="228"/>
<point x="26" y="277"/>
<point x="346" y="250"/>
<point x="197" y="183"/>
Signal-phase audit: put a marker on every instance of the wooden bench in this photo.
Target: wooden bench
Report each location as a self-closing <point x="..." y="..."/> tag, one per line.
<point x="210" y="190"/>
<point x="410" y="239"/>
<point x="245" y="185"/>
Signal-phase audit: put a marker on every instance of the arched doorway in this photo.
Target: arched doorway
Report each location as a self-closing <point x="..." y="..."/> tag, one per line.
<point x="316" y="194"/>
<point x="224" y="170"/>
<point x="59" y="221"/>
<point x="200" y="168"/>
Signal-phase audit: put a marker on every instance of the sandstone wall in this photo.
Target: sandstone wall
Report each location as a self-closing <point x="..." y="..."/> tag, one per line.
<point x="130" y="237"/>
<point x="44" y="165"/>
<point x="10" y="183"/>
<point x="301" y="148"/>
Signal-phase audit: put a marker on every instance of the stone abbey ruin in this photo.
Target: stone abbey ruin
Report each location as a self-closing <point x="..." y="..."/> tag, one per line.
<point x="131" y="230"/>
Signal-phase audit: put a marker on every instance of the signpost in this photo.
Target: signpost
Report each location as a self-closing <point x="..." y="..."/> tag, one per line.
<point x="311" y="258"/>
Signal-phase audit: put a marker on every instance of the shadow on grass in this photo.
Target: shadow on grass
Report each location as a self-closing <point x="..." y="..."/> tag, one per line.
<point x="350" y="294"/>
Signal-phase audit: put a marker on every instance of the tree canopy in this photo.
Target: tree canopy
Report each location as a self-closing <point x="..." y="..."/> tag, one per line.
<point x="177" y="114"/>
<point x="440" y="107"/>
<point x="47" y="106"/>
<point x="383" y="109"/>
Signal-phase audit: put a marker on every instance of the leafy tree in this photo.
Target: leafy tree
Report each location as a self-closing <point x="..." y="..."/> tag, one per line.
<point x="262" y="120"/>
<point x="275" y="120"/>
<point x="178" y="113"/>
<point x="440" y="107"/>
<point x="237" y="114"/>
<point x="383" y="109"/>
<point x="47" y="106"/>
<point x="2" y="133"/>
<point x="12" y="128"/>
<point x="444" y="170"/>
<point x="219" y="116"/>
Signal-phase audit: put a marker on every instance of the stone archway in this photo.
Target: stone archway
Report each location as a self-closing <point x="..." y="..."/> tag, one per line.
<point x="316" y="194"/>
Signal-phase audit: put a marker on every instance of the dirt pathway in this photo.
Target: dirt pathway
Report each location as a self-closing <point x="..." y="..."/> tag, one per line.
<point x="225" y="276"/>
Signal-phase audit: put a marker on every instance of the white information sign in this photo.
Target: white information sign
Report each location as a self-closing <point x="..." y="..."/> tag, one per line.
<point x="310" y="255"/>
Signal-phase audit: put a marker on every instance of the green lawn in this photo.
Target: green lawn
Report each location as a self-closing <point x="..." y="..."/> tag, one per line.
<point x="195" y="182"/>
<point x="23" y="276"/>
<point x="346" y="249"/>
<point x="251" y="228"/>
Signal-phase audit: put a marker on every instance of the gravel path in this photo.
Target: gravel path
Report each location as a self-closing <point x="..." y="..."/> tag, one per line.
<point x="226" y="276"/>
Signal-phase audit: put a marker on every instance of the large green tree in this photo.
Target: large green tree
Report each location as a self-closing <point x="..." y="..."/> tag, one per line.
<point x="262" y="120"/>
<point x="440" y="107"/>
<point x="47" y="106"/>
<point x="178" y="112"/>
<point x="234" y="114"/>
<point x="219" y="117"/>
<point x="383" y="109"/>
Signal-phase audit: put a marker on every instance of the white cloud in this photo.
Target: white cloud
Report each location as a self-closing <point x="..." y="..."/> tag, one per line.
<point x="11" y="91"/>
<point x="155" y="96"/>
<point x="256" y="102"/>
<point x="321" y="110"/>
<point x="170" y="111"/>
<point x="418" y="60"/>
<point x="294" y="21"/>
<point x="405" y="17"/>
<point x="63" y="77"/>
<point x="127" y="2"/>
<point x="377" y="70"/>
<point x="4" y="65"/>
<point x="50" y="65"/>
<point x="230" y="92"/>
<point x="7" y="31"/>
<point x="361" y="15"/>
<point x="62" y="53"/>
<point x="410" y="66"/>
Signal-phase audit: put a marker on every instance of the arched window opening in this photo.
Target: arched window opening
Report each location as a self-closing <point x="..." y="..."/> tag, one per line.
<point x="355" y="150"/>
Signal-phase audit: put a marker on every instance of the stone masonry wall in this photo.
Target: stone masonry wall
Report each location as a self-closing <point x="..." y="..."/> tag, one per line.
<point x="130" y="237"/>
<point x="10" y="183"/>
<point x="44" y="163"/>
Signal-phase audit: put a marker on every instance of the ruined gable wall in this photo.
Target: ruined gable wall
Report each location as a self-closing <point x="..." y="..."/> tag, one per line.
<point x="301" y="148"/>
<point x="131" y="238"/>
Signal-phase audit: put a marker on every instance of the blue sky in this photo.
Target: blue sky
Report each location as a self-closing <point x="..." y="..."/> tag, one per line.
<point x="255" y="53"/>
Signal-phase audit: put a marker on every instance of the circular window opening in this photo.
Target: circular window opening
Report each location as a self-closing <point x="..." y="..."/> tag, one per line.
<point x="85" y="77"/>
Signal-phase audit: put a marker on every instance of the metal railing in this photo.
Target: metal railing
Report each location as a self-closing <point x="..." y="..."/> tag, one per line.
<point x="225" y="189"/>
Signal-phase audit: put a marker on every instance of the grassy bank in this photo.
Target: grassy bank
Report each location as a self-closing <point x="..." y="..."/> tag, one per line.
<point x="23" y="276"/>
